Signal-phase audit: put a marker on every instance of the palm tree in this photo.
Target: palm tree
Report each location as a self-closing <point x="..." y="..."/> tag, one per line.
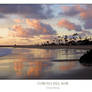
<point x="80" y="38"/>
<point x="66" y="39"/>
<point x="47" y="42"/>
<point x="53" y="42"/>
<point x="59" y="40"/>
<point x="75" y="36"/>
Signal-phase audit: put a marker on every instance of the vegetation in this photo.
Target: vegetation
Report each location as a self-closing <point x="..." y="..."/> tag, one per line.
<point x="76" y="39"/>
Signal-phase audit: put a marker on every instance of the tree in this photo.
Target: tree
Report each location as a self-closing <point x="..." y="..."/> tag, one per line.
<point x="47" y="42"/>
<point x="66" y="39"/>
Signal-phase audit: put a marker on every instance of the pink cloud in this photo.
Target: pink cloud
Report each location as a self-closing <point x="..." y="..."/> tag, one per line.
<point x="66" y="24"/>
<point x="36" y="28"/>
<point x="17" y="20"/>
<point x="82" y="11"/>
<point x="63" y="23"/>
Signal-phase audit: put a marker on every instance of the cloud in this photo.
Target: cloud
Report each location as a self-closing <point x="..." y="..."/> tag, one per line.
<point x="85" y="33"/>
<point x="87" y="17"/>
<point x="48" y="37"/>
<point x="68" y="25"/>
<point x="38" y="11"/>
<point x="2" y="16"/>
<point x="19" y="31"/>
<point x="72" y="10"/>
<point x="86" y="13"/>
<point x="34" y="24"/>
<point x="83" y="11"/>
<point x="88" y="24"/>
<point x="40" y="27"/>
<point x="36" y="28"/>
<point x="17" y="20"/>
<point x="1" y="37"/>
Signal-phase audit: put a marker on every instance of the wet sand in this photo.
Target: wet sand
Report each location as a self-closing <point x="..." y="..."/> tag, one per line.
<point x="67" y="47"/>
<point x="64" y="60"/>
<point x="77" y="74"/>
<point x="28" y="63"/>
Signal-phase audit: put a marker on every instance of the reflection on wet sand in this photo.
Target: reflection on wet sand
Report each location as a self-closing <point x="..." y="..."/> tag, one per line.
<point x="68" y="66"/>
<point x="37" y="68"/>
<point x="18" y="66"/>
<point x="41" y="53"/>
<point x="86" y="64"/>
<point x="37" y="63"/>
<point x="34" y="69"/>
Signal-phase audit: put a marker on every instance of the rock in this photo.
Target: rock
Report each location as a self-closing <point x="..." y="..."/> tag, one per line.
<point x="86" y="59"/>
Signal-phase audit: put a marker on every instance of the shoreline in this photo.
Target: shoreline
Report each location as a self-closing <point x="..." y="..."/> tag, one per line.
<point x="50" y="47"/>
<point x="64" y="60"/>
<point x="85" y="47"/>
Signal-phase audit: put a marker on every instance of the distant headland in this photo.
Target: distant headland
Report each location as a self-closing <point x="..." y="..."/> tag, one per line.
<point x="49" y="47"/>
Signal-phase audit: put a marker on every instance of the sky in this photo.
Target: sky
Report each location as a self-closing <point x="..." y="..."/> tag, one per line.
<point x="37" y="23"/>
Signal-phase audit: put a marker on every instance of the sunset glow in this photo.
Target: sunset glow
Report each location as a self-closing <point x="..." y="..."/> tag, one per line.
<point x="33" y="24"/>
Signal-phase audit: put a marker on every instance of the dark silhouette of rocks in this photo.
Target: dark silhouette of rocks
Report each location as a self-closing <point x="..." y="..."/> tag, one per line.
<point x="86" y="59"/>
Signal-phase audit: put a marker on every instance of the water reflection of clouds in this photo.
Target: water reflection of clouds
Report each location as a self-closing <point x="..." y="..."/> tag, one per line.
<point x="4" y="67"/>
<point x="47" y="54"/>
<point x="36" y="63"/>
<point x="69" y="54"/>
<point x="34" y="68"/>
<point x="37" y="69"/>
<point x="61" y="67"/>
<point x="41" y="53"/>
<point x="5" y="52"/>
<point x="33" y="53"/>
<point x="68" y="66"/>
<point x="18" y="65"/>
